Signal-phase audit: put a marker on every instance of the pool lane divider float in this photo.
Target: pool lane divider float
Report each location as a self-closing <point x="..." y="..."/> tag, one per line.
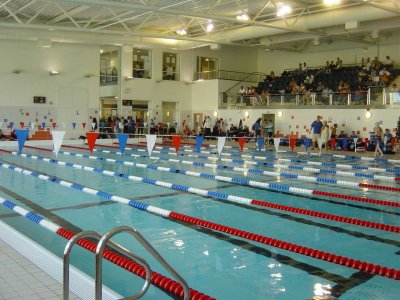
<point x="218" y="195"/>
<point x="248" y="170"/>
<point x="363" y="266"/>
<point x="157" y="279"/>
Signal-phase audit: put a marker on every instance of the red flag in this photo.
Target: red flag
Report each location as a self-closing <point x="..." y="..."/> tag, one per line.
<point x="84" y="125"/>
<point x="241" y="142"/>
<point x="176" y="139"/>
<point x="292" y="143"/>
<point x="22" y="124"/>
<point x="333" y="143"/>
<point x="91" y="138"/>
<point x="54" y="125"/>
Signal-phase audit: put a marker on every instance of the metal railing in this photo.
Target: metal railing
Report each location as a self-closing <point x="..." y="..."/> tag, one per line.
<point x="375" y="96"/>
<point x="105" y="241"/>
<point x="230" y="75"/>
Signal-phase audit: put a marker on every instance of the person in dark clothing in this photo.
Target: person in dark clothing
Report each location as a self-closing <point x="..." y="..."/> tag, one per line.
<point x="316" y="126"/>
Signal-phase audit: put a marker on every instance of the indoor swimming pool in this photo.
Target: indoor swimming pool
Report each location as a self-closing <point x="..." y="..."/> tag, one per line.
<point x="251" y="225"/>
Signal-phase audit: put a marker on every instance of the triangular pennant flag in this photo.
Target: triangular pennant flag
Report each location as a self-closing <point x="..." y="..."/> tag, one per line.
<point x="333" y="143"/>
<point x="93" y="125"/>
<point x="22" y="124"/>
<point x="101" y="125"/>
<point x="43" y="125"/>
<point x="307" y="143"/>
<point x="11" y="125"/>
<point x="122" y="138"/>
<point x="84" y="125"/>
<point x="292" y="143"/>
<point x="276" y="143"/>
<point x="73" y="125"/>
<point x="320" y="141"/>
<point x="199" y="142"/>
<point x="91" y="138"/>
<point x="221" y="144"/>
<point x="33" y="125"/>
<point x="260" y="142"/>
<point x="63" y="125"/>
<point x="22" y="134"/>
<point x="151" y="141"/>
<point x="58" y="137"/>
<point x="241" y="142"/>
<point x="355" y="140"/>
<point x="176" y="139"/>
<point x="54" y="125"/>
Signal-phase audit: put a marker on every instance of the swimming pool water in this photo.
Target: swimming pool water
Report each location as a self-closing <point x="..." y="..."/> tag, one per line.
<point x="222" y="266"/>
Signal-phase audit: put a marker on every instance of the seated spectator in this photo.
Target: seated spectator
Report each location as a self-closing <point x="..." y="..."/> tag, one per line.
<point x="2" y="136"/>
<point x="339" y="142"/>
<point x="352" y="136"/>
<point x="359" y="94"/>
<point x="384" y="76"/>
<point x="305" y="67"/>
<point x="332" y="65"/>
<point x="327" y="67"/>
<point x="388" y="63"/>
<point x="320" y="87"/>
<point x="394" y="88"/>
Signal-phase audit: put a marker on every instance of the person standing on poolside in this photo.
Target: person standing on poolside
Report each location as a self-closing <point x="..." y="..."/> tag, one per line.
<point x="316" y="126"/>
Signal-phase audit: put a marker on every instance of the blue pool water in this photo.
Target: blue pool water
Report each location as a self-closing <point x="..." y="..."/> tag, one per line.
<point x="217" y="264"/>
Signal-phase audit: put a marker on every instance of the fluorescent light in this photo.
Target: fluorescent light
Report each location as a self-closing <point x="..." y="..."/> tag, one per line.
<point x="243" y="17"/>
<point x="181" y="32"/>
<point x="280" y="114"/>
<point x="210" y="27"/>
<point x="52" y="73"/>
<point x="284" y="10"/>
<point x="215" y="113"/>
<point x="368" y="114"/>
<point x="331" y="2"/>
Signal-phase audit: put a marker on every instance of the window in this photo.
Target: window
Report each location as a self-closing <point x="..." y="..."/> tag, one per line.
<point x="207" y="68"/>
<point x="141" y="63"/>
<point x="170" y="66"/>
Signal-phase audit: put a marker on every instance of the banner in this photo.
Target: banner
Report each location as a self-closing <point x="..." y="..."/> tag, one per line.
<point x="176" y="139"/>
<point x="277" y="141"/>
<point x="22" y="134"/>
<point x="260" y="142"/>
<point x="355" y="140"/>
<point x="58" y="137"/>
<point x="221" y="144"/>
<point x="74" y="125"/>
<point x="199" y="142"/>
<point x="122" y="138"/>
<point x="93" y="125"/>
<point x="151" y="141"/>
<point x="241" y="142"/>
<point x="91" y="138"/>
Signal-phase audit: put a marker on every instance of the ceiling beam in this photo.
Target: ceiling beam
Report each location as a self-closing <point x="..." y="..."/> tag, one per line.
<point x="71" y="12"/>
<point x="392" y="9"/>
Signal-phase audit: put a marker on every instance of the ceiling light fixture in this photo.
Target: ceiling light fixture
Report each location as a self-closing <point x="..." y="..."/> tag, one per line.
<point x="181" y="32"/>
<point x="101" y="51"/>
<point x="210" y="27"/>
<point x="332" y="2"/>
<point x="53" y="73"/>
<point x="283" y="10"/>
<point x="243" y="17"/>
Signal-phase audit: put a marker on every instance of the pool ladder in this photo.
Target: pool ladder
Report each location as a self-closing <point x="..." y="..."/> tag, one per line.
<point x="105" y="241"/>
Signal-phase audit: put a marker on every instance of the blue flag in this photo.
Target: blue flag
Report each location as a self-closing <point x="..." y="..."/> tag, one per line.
<point x="307" y="143"/>
<point x="11" y="125"/>
<point x="73" y="125"/>
<point x="101" y="125"/>
<point x="260" y="142"/>
<point x="199" y="142"/>
<point x="122" y="138"/>
<point x="43" y="125"/>
<point x="22" y="134"/>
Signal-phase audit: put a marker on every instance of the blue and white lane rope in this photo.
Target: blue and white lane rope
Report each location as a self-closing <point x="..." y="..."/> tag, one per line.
<point x="244" y="171"/>
<point x="322" y="255"/>
<point x="279" y="166"/>
<point x="227" y="197"/>
<point x="156" y="278"/>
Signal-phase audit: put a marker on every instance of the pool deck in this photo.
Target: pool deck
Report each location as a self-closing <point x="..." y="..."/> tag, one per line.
<point x="21" y="279"/>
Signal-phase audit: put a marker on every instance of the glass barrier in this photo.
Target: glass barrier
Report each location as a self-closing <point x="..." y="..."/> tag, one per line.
<point x="108" y="76"/>
<point x="254" y="77"/>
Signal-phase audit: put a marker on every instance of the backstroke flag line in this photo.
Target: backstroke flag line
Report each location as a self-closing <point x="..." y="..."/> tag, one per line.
<point x="199" y="142"/>
<point x="122" y="138"/>
<point x="58" y="137"/>
<point x="176" y="139"/>
<point x="276" y="143"/>
<point x="22" y="134"/>
<point x="151" y="141"/>
<point x="241" y="142"/>
<point x="221" y="144"/>
<point x="91" y="139"/>
<point x="260" y="142"/>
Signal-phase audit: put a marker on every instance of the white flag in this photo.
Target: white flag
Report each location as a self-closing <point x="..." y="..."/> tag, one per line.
<point x="151" y="141"/>
<point x="33" y="125"/>
<point x="93" y="125"/>
<point x="58" y="137"/>
<point x="276" y="143"/>
<point x="221" y="144"/>
<point x="355" y="140"/>
<point x="63" y="125"/>
<point x="320" y="141"/>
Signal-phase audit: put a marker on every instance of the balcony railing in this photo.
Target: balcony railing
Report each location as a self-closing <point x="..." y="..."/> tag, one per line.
<point x="378" y="97"/>
<point x="230" y="75"/>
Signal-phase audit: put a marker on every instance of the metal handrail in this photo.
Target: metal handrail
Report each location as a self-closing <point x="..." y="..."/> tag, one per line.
<point x="104" y="240"/>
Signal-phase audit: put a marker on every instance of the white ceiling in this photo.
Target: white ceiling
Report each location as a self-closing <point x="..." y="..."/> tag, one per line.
<point x="150" y="23"/>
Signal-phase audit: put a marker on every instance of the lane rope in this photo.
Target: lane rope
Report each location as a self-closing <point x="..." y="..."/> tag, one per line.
<point x="161" y="281"/>
<point x="217" y="195"/>
<point x="306" y="251"/>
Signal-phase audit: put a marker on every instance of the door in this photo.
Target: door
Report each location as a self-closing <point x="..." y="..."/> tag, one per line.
<point x="197" y="120"/>
<point x="266" y="118"/>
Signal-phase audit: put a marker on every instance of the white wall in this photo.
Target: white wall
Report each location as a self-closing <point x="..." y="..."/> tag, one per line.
<point x="70" y="97"/>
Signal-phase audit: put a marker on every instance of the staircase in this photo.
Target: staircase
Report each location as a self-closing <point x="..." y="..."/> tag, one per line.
<point x="41" y="135"/>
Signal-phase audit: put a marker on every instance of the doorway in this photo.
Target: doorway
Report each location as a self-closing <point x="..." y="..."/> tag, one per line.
<point x="207" y="67"/>
<point x="266" y="118"/>
<point x="197" y="120"/>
